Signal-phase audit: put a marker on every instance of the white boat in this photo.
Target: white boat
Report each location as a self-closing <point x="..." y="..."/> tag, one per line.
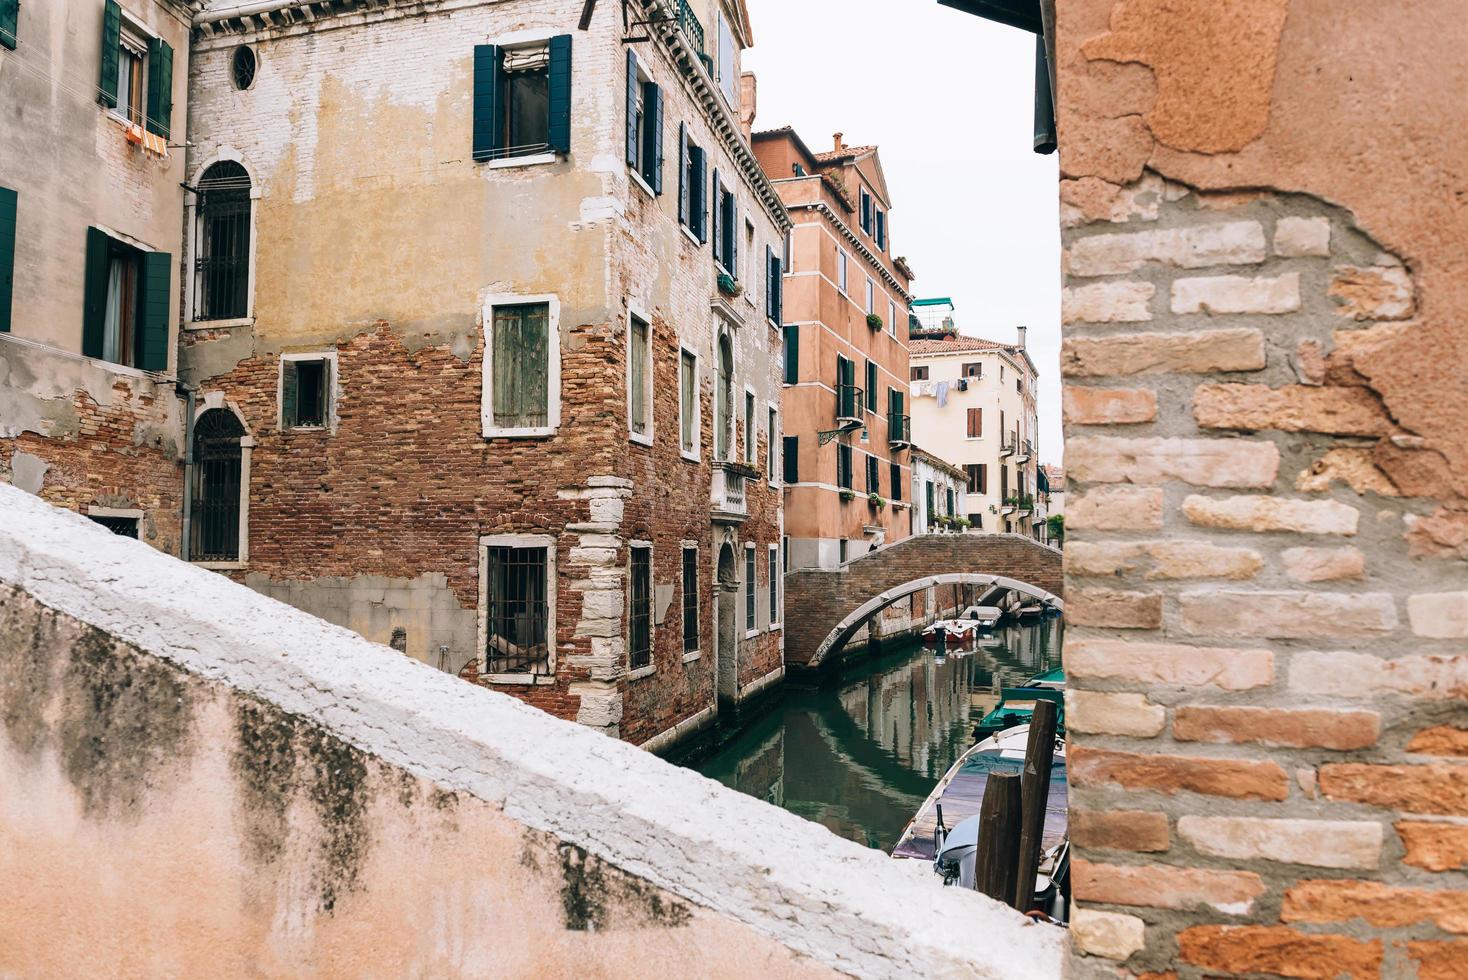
<point x="970" y="622"/>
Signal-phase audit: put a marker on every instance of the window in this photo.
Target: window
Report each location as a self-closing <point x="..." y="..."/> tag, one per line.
<point x="892" y="317"/>
<point x="774" y="586"/>
<point x="976" y="521"/>
<point x="930" y="496"/>
<point x="639" y="378"/>
<point x="217" y="501"/>
<point x="306" y="384"/>
<point x="866" y="211"/>
<point x="690" y="600"/>
<point x="639" y="615"/>
<point x="522" y="99"/>
<point x="973" y="369"/>
<point x="874" y="474"/>
<point x="750" y="618"/>
<point x="522" y="372"/>
<point x="726" y="238"/>
<point x="751" y="433"/>
<point x="843" y="548"/>
<point x="688" y="407"/>
<point x="724" y="401"/>
<point x="517" y="593"/>
<point x="790" y="457"/>
<point x="871" y="393"/>
<point x="1016" y="385"/>
<point x="774" y="287"/>
<point x="919" y="372"/>
<point x="125" y="317"/>
<point x="124" y="526"/>
<point x="881" y="233"/>
<point x="978" y="477"/>
<point x="131" y="58"/>
<point x="9" y="200"/>
<point x="242" y="67"/>
<point x="693" y="207"/>
<point x="9" y="22"/>
<point x="785" y="554"/>
<point x="950" y="501"/>
<point x="785" y="250"/>
<point x="975" y="423"/>
<point x="896" y="476"/>
<point x="728" y="71"/>
<point x="222" y="243"/>
<point x="843" y="466"/>
<point x="841" y="270"/>
<point x="770" y="452"/>
<point x="136" y="76"/>
<point x="871" y="297"/>
<point x="644" y="125"/>
<point x="792" y="355"/>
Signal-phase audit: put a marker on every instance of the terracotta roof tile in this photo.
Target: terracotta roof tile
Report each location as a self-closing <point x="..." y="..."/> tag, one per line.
<point x="843" y="153"/>
<point x="954" y="346"/>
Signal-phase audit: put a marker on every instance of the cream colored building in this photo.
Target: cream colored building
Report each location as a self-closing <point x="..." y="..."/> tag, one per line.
<point x="973" y="405"/>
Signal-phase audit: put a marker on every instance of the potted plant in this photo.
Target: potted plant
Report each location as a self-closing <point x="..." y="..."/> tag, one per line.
<point x="728" y="285"/>
<point x="874" y="321"/>
<point x="876" y="501"/>
<point x="848" y="495"/>
<point x="961" y="524"/>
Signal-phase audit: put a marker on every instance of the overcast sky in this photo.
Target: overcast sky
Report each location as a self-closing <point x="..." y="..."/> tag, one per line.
<point x="948" y="98"/>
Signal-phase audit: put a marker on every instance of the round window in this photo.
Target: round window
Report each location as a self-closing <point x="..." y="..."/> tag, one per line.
<point x="244" y="67"/>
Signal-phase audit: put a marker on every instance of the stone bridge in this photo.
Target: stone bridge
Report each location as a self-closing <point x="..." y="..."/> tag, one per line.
<point x="825" y="607"/>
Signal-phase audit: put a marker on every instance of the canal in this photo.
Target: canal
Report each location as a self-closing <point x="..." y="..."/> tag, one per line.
<point x="860" y="753"/>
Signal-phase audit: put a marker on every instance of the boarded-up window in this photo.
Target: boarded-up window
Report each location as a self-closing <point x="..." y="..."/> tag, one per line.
<point x="639" y="352"/>
<point x="521" y="366"/>
<point x="688" y="402"/>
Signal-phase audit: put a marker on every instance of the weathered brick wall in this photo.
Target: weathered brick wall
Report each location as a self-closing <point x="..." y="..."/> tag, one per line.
<point x="1267" y="597"/>
<point x="817" y="601"/>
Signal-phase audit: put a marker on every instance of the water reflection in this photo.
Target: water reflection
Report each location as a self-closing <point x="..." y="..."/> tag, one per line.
<point x="860" y="754"/>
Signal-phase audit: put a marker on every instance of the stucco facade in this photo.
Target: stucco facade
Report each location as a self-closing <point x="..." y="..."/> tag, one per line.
<point x="845" y="319"/>
<point x="381" y="243"/>
<point x="934" y="509"/>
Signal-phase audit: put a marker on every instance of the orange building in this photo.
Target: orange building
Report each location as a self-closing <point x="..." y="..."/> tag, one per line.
<point x="845" y="309"/>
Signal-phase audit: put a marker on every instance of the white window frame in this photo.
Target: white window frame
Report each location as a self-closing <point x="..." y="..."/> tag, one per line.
<point x="772" y="453"/>
<point x="774" y="589"/>
<point x="553" y="366"/>
<point x="644" y="439"/>
<point x="694" y="455"/>
<point x="892" y="316"/>
<point x="871" y="296"/>
<point x="643" y="79"/>
<point x="548" y="542"/>
<point x="690" y="655"/>
<point x="638" y="544"/>
<point x="192" y="217"/>
<point x="132" y="33"/>
<point x="333" y="391"/>
<point x="751" y="562"/>
<point x="751" y="427"/>
<point x="210" y="401"/>
<point x="123" y="513"/>
<point x="842" y="261"/>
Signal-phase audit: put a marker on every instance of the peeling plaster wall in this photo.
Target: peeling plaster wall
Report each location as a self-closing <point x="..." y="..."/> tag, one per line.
<point x="1265" y="404"/>
<point x="198" y="780"/>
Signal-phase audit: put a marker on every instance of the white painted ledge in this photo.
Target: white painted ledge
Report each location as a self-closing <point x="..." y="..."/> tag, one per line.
<point x="838" y="902"/>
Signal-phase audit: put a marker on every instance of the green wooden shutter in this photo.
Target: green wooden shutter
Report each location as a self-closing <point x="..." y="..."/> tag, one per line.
<point x="779" y="290"/>
<point x="9" y="22"/>
<point x="160" y="88"/>
<point x="631" y="108"/>
<point x="732" y="234"/>
<point x="792" y="355"/>
<point x="718" y="234"/>
<point x="559" y="130"/>
<point x="289" y="411"/>
<point x="790" y="454"/>
<point x="487" y="110"/>
<point x="699" y="205"/>
<point x="653" y="127"/>
<point x="896" y="476"/>
<point x="769" y="282"/>
<point x="871" y="386"/>
<point x="151" y="353"/>
<point x="111" y="42"/>
<point x="7" y="255"/>
<point x="930" y="502"/>
<point x="684" y="212"/>
<point x="94" y="295"/>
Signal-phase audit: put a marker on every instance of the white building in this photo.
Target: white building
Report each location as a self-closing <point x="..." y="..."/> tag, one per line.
<point x="939" y="494"/>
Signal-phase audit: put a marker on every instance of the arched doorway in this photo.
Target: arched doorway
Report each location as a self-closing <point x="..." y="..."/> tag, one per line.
<point x="216" y="506"/>
<point x="726" y="636"/>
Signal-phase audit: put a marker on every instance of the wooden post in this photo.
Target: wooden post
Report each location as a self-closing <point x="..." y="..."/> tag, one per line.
<point x="1039" y="759"/>
<point x="999" y="819"/>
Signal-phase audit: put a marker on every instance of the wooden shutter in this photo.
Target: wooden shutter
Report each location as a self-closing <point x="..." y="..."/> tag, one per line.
<point x="8" y="199"/>
<point x="769" y="282"/>
<point x="520" y="369"/>
<point x="653" y="100"/>
<point x="792" y="355"/>
<point x="111" y="44"/>
<point x="733" y="234"/>
<point x="871" y="386"/>
<point x="558" y="133"/>
<point x="699" y="205"/>
<point x="881" y="230"/>
<point x="9" y="21"/>
<point x="790" y="455"/>
<point x="718" y="219"/>
<point x="638" y="373"/>
<point x="151" y="345"/>
<point x="866" y="212"/>
<point x="160" y="88"/>
<point x="631" y="108"/>
<point x="684" y="213"/>
<point x="288" y="392"/>
<point x="874" y="476"/>
<point x="895" y="474"/>
<point x="94" y="294"/>
<point x="487" y="97"/>
<point x="779" y="278"/>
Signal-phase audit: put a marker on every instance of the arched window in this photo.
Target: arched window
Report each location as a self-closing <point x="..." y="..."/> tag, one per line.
<point x="222" y="252"/>
<point x="214" y="516"/>
<point x="724" y="407"/>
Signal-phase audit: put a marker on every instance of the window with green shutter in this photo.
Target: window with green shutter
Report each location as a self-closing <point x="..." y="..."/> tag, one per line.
<point x="896" y="476"/>
<point x="305" y="391"/>
<point x="790" y="455"/>
<point x="111" y="50"/>
<point x="9" y="22"/>
<point x="150" y="349"/>
<point x="639" y="372"/>
<point x="874" y="474"/>
<point x="792" y="355"/>
<point x="871" y="386"/>
<point x="558" y="129"/>
<point x="520" y="367"/>
<point x="126" y="296"/>
<point x="160" y="88"/>
<point x="8" y="203"/>
<point x="522" y="99"/>
<point x="843" y="466"/>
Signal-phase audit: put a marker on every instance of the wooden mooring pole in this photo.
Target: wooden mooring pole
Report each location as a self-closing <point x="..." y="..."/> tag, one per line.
<point x="1035" y="793"/>
<point x="999" y="820"/>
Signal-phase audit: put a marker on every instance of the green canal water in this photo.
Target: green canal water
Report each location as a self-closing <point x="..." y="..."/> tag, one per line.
<point x="860" y="753"/>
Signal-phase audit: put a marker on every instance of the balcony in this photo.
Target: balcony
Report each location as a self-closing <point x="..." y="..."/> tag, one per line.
<point x="1007" y="449"/>
<point x="1021" y="505"/>
<point x="899" y="430"/>
<point x="728" y="503"/>
<point x="688" y="22"/>
<point x="1023" y="451"/>
<point x="851" y="410"/>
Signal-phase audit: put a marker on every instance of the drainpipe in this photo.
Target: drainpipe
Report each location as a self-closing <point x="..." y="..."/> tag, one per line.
<point x="189" y="393"/>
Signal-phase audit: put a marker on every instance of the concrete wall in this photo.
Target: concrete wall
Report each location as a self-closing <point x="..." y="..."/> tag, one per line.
<point x="1267" y="395"/>
<point x="198" y="780"/>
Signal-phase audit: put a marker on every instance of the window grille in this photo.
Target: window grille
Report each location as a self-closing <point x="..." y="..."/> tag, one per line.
<point x="214" y="521"/>
<point x="690" y="600"/>
<point x="126" y="527"/>
<point x="222" y="264"/>
<point x="639" y="644"/>
<point x="517" y="614"/>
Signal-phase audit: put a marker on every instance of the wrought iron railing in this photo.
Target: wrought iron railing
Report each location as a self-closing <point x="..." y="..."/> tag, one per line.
<point x="517" y="617"/>
<point x="849" y="403"/>
<point x="899" y="428"/>
<point x="688" y="21"/>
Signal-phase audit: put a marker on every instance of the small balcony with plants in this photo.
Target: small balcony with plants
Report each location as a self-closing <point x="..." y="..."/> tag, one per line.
<point x="1022" y="504"/>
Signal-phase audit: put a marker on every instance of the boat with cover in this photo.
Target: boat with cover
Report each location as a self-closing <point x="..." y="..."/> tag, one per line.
<point x="970" y="622"/>
<point x="1017" y="704"/>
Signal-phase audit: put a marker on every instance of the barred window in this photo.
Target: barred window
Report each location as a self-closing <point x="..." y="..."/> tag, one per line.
<point x="639" y="622"/>
<point x="214" y="516"/>
<point x="750" y="618"/>
<point x="690" y="600"/>
<point x="222" y="262"/>
<point x="774" y="585"/>
<point x="517" y="610"/>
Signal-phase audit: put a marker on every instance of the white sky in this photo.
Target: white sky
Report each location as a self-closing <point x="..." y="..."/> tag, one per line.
<point x="948" y="99"/>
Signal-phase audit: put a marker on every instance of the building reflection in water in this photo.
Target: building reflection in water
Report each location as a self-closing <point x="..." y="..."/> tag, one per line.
<point x="860" y="754"/>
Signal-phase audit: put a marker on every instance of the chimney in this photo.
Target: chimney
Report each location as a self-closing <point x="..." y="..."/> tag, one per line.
<point x="1021" y="331"/>
<point x="747" y="103"/>
<point x="839" y="145"/>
